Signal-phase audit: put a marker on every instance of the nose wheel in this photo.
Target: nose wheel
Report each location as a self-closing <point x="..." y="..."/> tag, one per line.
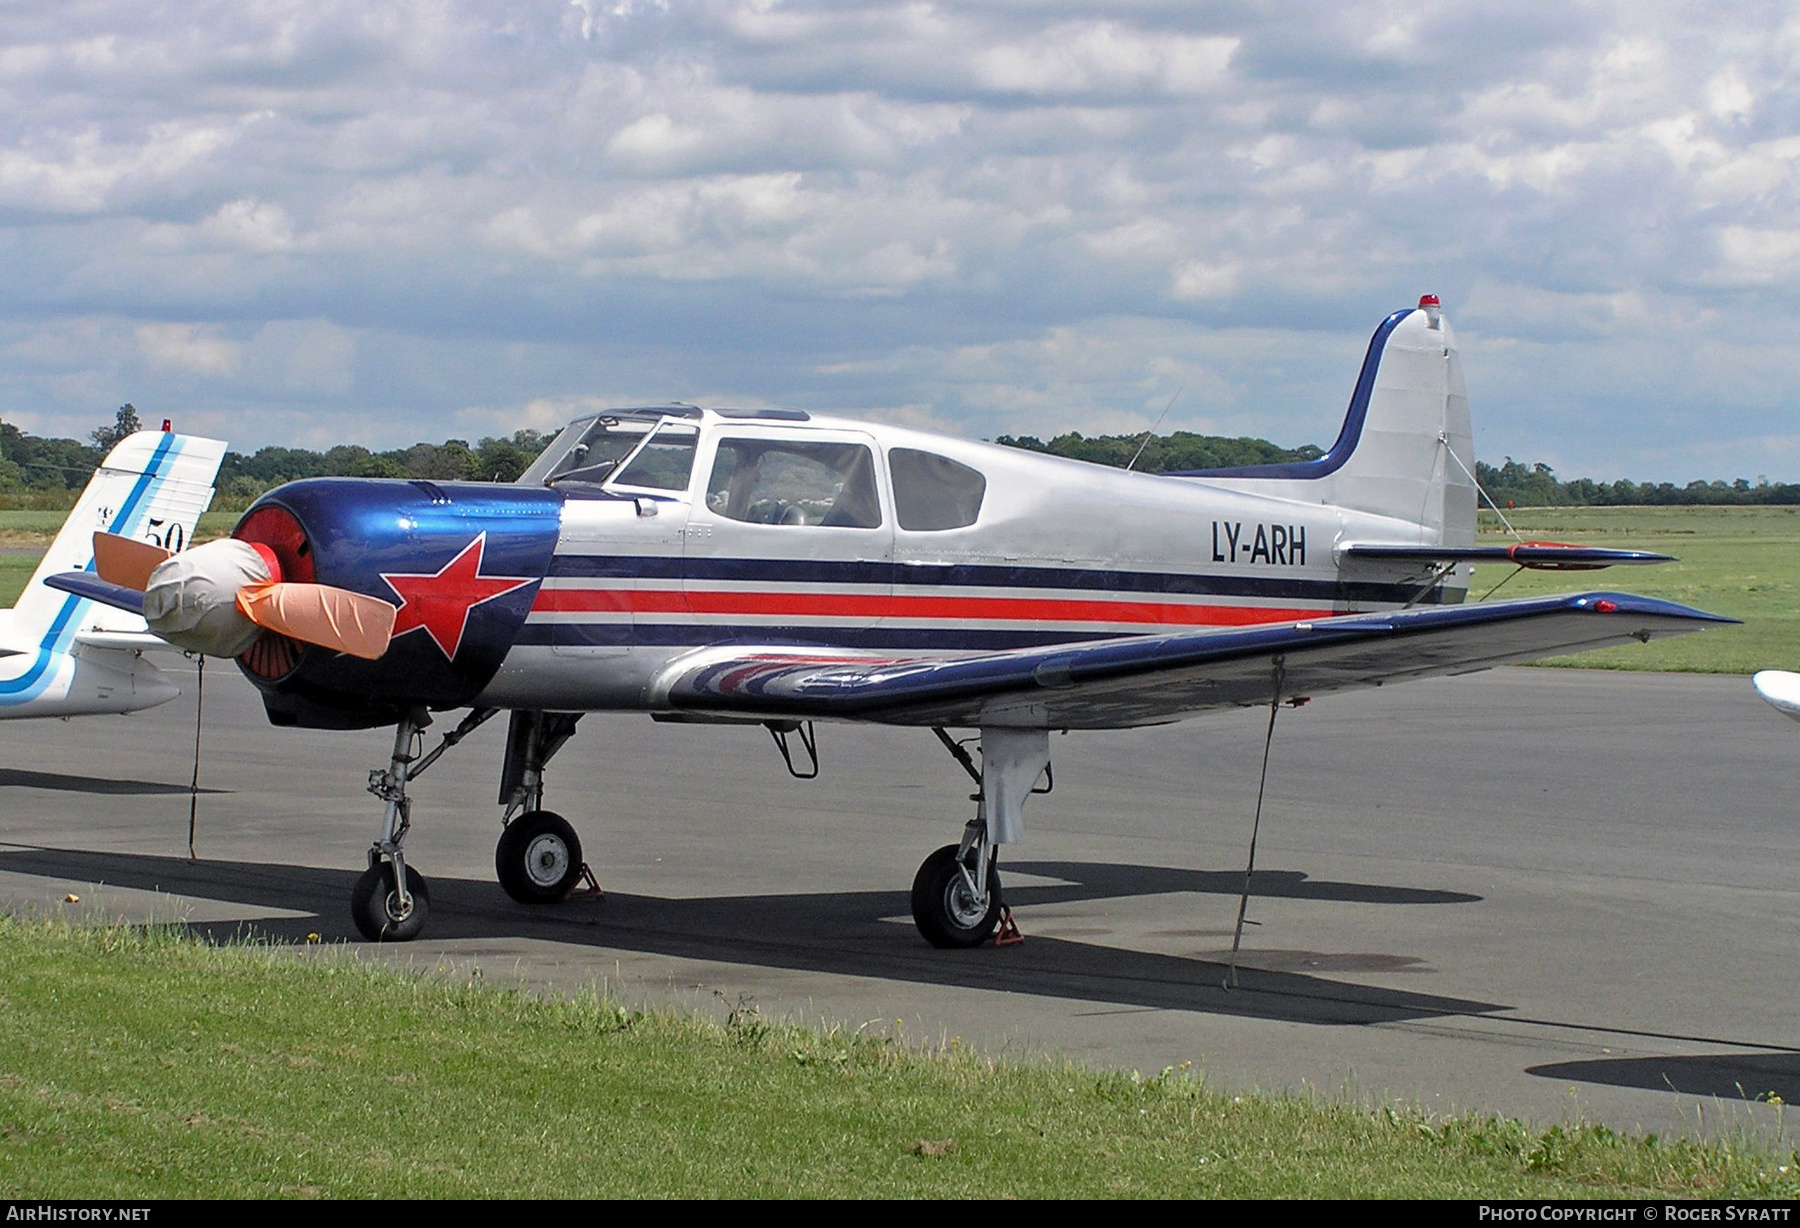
<point x="382" y="913"/>
<point x="538" y="858"/>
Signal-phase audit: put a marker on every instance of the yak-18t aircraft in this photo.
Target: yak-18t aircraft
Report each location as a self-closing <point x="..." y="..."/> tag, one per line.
<point x="780" y="567"/>
<point x="62" y="655"/>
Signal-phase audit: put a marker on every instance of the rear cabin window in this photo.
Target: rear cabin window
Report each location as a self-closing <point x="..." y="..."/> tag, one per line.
<point x="934" y="492"/>
<point x="790" y="482"/>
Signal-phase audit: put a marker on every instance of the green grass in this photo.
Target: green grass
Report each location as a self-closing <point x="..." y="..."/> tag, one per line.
<point x="144" y="1064"/>
<point x="1740" y="561"/>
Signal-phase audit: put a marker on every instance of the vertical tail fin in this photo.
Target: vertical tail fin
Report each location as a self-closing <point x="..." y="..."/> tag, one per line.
<point x="153" y="485"/>
<point x="1406" y="450"/>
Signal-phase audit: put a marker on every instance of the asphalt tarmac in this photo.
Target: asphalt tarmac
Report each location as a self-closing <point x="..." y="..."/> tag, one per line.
<point x="1545" y="893"/>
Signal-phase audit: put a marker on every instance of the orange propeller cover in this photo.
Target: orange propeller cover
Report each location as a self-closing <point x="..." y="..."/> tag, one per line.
<point x="126" y="561"/>
<point x="319" y="614"/>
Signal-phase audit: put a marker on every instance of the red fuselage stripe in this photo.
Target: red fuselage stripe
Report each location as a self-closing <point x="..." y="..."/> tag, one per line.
<point x="873" y="606"/>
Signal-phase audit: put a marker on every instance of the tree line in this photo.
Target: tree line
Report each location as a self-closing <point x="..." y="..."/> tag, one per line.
<point x="45" y="471"/>
<point x="42" y="471"/>
<point x="1510" y="484"/>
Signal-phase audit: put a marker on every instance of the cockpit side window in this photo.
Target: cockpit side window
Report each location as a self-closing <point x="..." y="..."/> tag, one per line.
<point x="792" y="482"/>
<point x="665" y="462"/>
<point x="934" y="492"/>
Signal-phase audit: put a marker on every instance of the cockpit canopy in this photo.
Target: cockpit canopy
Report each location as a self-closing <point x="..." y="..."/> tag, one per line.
<point x="782" y="478"/>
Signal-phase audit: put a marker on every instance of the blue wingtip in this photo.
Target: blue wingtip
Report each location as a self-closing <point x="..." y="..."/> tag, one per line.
<point x="87" y="584"/>
<point x="1631" y="603"/>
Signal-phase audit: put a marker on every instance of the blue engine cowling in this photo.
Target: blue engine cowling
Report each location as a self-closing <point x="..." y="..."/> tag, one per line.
<point x="441" y="552"/>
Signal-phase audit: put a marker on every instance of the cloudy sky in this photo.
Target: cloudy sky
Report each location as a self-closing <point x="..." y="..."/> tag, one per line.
<point x="310" y="223"/>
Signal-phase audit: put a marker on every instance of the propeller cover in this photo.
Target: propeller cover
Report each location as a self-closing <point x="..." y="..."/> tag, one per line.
<point x="191" y="598"/>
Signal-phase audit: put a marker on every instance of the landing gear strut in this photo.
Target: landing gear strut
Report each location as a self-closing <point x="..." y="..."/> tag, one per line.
<point x="391" y="902"/>
<point x="956" y="900"/>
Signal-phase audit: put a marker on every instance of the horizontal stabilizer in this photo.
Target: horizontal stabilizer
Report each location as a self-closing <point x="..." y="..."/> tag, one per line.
<point x="1534" y="556"/>
<point x="123" y="641"/>
<point x="1119" y="683"/>
<point x="87" y="584"/>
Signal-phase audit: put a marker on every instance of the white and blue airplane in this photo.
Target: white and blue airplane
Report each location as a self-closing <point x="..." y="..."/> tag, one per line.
<point x="1781" y="689"/>
<point x="776" y="567"/>
<point x="63" y="655"/>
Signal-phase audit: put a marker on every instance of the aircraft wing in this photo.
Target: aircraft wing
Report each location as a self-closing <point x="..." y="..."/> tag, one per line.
<point x="1140" y="680"/>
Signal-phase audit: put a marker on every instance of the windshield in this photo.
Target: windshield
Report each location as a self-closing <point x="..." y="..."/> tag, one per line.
<point x="665" y="462"/>
<point x="589" y="449"/>
<point x="597" y="452"/>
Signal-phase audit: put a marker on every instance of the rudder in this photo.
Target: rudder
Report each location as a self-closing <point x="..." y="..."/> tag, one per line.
<point x="1406" y="448"/>
<point x="152" y="486"/>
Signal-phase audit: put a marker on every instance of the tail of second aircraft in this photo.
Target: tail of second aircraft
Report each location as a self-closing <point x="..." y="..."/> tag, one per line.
<point x="1406" y="450"/>
<point x="153" y="486"/>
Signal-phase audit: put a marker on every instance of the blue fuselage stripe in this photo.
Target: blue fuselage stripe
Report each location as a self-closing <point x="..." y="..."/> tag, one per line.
<point x="677" y="635"/>
<point x="780" y="572"/>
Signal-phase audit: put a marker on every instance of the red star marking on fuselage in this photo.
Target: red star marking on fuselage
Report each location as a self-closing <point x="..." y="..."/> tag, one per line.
<point x="440" y="602"/>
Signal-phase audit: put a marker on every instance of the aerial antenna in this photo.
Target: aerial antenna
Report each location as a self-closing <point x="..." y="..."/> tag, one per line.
<point x="1145" y="441"/>
<point x="194" y="787"/>
<point x="1262" y="784"/>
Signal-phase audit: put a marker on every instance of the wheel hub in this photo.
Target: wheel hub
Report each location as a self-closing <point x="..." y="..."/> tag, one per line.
<point x="547" y="860"/>
<point x="961" y="903"/>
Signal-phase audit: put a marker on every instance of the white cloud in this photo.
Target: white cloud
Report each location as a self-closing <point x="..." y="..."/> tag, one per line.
<point x="305" y="355"/>
<point x="1758" y="256"/>
<point x="1196" y="279"/>
<point x="195" y="349"/>
<point x="1103" y="57"/>
<point x="254" y="225"/>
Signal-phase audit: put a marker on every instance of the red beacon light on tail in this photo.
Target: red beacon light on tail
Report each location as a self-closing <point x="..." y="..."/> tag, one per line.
<point x="1433" y="309"/>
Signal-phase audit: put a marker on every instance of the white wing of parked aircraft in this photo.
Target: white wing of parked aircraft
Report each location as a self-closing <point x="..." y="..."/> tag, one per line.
<point x="1781" y="689"/>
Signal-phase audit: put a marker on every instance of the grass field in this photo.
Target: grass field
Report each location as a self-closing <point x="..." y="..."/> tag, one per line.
<point x="142" y="1064"/>
<point x="1740" y="561"/>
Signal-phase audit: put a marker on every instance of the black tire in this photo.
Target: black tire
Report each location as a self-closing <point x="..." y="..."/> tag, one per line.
<point x="375" y="906"/>
<point x="943" y="906"/>
<point x="538" y="859"/>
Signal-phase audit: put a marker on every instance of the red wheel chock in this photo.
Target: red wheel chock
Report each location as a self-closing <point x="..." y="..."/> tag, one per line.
<point x="588" y="888"/>
<point x="1008" y="934"/>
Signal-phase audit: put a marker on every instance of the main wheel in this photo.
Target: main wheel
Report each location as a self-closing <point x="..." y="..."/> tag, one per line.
<point x="375" y="905"/>
<point x="538" y="859"/>
<point x="944" y="908"/>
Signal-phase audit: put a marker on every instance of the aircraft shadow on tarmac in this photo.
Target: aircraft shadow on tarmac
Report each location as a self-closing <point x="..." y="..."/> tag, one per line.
<point x="846" y="933"/>
<point x="21" y="777"/>
<point x="1723" y="1076"/>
